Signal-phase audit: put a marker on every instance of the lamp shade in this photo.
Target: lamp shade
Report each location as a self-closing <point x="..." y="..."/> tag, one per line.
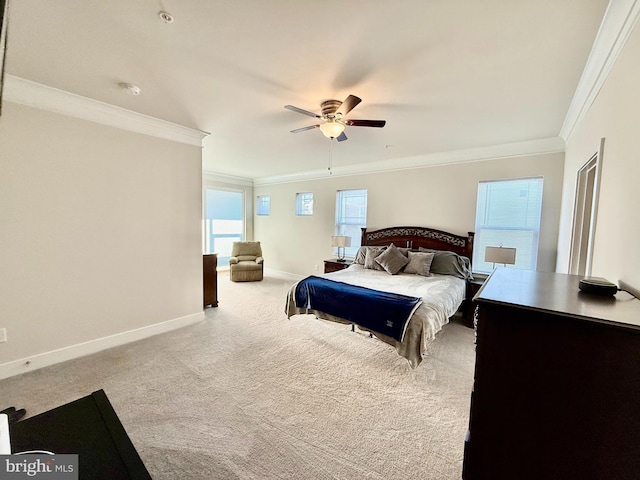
<point x="331" y="129"/>
<point x="340" y="241"/>
<point x="505" y="255"/>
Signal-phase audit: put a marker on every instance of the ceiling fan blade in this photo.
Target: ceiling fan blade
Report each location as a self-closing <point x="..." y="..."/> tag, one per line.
<point x="304" y="112"/>
<point x="366" y="123"/>
<point x="341" y="138"/>
<point x="349" y="104"/>
<point x="310" y="127"/>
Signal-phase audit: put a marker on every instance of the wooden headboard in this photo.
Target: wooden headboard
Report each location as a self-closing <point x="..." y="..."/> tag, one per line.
<point x="416" y="237"/>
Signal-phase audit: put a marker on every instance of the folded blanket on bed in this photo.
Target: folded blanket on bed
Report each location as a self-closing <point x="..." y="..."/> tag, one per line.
<point x="383" y="312"/>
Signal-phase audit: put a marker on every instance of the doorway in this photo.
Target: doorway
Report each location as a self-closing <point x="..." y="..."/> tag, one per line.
<point x="585" y="215"/>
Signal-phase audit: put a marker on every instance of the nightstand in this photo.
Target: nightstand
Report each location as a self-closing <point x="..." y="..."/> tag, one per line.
<point x="473" y="286"/>
<point x="334" y="265"/>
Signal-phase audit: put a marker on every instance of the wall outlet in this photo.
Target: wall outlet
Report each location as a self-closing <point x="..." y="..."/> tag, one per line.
<point x="3" y="335"/>
<point x="316" y="267"/>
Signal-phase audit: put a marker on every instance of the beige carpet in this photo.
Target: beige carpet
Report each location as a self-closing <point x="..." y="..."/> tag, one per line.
<point x="248" y="394"/>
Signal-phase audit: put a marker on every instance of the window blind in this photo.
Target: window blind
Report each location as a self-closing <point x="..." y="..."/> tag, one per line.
<point x="351" y="217"/>
<point x="508" y="214"/>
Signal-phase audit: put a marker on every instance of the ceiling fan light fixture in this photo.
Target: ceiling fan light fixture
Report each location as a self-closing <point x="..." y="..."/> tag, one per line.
<point x="332" y="129"/>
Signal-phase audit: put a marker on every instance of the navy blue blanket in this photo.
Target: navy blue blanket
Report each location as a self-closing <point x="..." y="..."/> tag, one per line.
<point x="383" y="312"/>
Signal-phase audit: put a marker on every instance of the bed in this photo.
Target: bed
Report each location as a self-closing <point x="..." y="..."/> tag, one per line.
<point x="436" y="294"/>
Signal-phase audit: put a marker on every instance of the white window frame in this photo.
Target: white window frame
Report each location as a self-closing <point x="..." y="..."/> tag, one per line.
<point x="206" y="223"/>
<point x="493" y="228"/>
<point x="304" y="204"/>
<point x="347" y="223"/>
<point x="263" y="205"/>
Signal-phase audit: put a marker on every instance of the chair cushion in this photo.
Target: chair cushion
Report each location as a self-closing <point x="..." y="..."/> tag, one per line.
<point x="246" y="248"/>
<point x="247" y="266"/>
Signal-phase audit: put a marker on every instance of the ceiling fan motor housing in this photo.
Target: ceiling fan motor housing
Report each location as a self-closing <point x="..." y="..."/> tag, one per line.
<point x="330" y="107"/>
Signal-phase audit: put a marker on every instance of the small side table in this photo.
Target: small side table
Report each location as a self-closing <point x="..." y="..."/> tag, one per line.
<point x="333" y="265"/>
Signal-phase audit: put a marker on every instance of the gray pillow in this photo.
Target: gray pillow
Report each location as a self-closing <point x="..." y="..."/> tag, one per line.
<point x="370" y="259"/>
<point x="362" y="253"/>
<point x="450" y="263"/>
<point x="420" y="263"/>
<point x="392" y="260"/>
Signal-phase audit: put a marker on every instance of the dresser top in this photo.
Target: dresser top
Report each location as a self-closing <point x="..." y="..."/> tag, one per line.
<point x="558" y="293"/>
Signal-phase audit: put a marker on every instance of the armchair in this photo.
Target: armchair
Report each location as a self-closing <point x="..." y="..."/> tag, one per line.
<point x="246" y="263"/>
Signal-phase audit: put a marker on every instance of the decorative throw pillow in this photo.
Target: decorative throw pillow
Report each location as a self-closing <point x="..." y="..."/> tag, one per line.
<point x="392" y="260"/>
<point x="370" y="259"/>
<point x="362" y="253"/>
<point x="420" y="263"/>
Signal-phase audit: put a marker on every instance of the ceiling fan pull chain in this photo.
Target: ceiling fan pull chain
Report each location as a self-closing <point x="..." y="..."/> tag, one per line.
<point x="330" y="156"/>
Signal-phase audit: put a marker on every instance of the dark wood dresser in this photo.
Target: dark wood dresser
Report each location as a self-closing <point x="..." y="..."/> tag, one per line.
<point x="557" y="381"/>
<point x="210" y="279"/>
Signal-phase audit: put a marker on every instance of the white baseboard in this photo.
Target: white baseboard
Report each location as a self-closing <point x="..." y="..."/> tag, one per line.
<point x="46" y="359"/>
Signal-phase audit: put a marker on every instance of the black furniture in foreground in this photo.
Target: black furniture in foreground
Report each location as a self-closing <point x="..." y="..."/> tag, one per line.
<point x="557" y="381"/>
<point x="88" y="427"/>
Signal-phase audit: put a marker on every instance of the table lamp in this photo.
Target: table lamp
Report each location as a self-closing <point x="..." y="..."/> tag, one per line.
<point x="340" y="241"/>
<point x="504" y="255"/>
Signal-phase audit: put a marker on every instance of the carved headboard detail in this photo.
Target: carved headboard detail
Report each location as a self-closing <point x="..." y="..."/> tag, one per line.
<point x="416" y="237"/>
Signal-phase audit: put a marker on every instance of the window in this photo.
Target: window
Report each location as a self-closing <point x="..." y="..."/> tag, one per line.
<point x="263" y="205"/>
<point x="351" y="217"/>
<point x="304" y="203"/>
<point x="224" y="222"/>
<point x="508" y="214"/>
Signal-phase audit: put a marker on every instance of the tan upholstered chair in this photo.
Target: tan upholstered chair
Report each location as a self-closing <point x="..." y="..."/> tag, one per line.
<point x="246" y="262"/>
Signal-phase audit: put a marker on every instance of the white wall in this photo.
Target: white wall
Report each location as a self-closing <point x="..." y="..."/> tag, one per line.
<point x="615" y="116"/>
<point x="100" y="233"/>
<point x="442" y="197"/>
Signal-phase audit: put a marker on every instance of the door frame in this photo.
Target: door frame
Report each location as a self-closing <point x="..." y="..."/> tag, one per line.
<point x="585" y="214"/>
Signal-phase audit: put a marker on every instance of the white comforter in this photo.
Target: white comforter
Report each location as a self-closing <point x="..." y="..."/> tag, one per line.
<point x="441" y="296"/>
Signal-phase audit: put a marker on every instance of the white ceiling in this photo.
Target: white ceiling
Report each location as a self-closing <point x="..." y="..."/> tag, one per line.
<point x="446" y="75"/>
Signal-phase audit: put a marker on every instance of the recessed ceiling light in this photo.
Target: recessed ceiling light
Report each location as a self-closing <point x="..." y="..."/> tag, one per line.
<point x="130" y="89"/>
<point x="166" y="17"/>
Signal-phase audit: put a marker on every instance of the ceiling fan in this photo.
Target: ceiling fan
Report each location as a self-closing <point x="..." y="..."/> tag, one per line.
<point x="333" y="122"/>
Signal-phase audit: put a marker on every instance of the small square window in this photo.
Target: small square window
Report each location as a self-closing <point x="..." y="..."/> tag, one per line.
<point x="304" y="203"/>
<point x="263" y="205"/>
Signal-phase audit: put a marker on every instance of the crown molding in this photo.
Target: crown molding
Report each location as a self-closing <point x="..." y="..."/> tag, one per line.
<point x="494" y="152"/>
<point x="32" y="94"/>
<point x="618" y="22"/>
<point x="209" y="176"/>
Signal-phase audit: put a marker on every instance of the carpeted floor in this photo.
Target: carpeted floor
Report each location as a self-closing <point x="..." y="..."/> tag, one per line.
<point x="248" y="394"/>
